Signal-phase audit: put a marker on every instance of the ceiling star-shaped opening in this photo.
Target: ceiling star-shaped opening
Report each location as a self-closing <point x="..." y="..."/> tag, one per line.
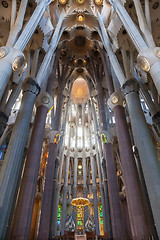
<point x="5" y="10"/>
<point x="79" y="5"/>
<point x="79" y="46"/>
<point x="72" y="20"/>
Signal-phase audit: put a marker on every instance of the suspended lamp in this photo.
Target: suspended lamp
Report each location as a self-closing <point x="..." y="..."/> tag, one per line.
<point x="80" y="17"/>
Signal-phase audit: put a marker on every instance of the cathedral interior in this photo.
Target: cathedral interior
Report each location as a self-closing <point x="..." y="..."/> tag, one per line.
<point x="79" y="119"/>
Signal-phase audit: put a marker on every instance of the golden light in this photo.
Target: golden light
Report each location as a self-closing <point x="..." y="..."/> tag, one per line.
<point x="79" y="166"/>
<point x="80" y="1"/>
<point x="98" y="2"/>
<point x="51" y="108"/>
<point x="62" y="2"/>
<point x="80" y="202"/>
<point x="80" y="91"/>
<point x="115" y="99"/>
<point x="143" y="63"/>
<point x="57" y="138"/>
<point x="80" y="17"/>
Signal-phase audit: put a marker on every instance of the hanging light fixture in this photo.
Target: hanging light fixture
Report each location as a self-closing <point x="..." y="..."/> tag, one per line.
<point x="80" y="17"/>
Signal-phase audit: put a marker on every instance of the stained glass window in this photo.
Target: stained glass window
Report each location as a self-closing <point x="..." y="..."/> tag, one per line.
<point x="59" y="214"/>
<point x="101" y="214"/>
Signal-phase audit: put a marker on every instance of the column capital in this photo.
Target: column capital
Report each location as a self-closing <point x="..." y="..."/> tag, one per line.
<point x="30" y="85"/>
<point x="116" y="99"/>
<point x="130" y="85"/>
<point x="45" y="99"/>
<point x="105" y="136"/>
<point x="53" y="136"/>
<point x="147" y="57"/>
<point x="12" y="56"/>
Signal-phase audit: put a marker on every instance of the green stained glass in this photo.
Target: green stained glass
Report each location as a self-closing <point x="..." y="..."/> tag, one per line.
<point x="59" y="213"/>
<point x="101" y="214"/>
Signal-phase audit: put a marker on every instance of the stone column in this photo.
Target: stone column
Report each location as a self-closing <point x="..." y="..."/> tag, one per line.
<point x="35" y="218"/>
<point x="53" y="218"/>
<point x="65" y="186"/>
<point x="93" y="169"/>
<point x="139" y="223"/>
<point x="23" y="215"/>
<point x="85" y="190"/>
<point x="106" y="210"/>
<point x="144" y="192"/>
<point x="48" y="188"/>
<point x="147" y="154"/>
<point x="148" y="57"/>
<point x="13" y="58"/>
<point x="84" y="153"/>
<point x="12" y="166"/>
<point x="100" y="185"/>
<point x="115" y="208"/>
<point x="107" y="205"/>
<point x="52" y="154"/>
<point x="74" y="192"/>
<point x="56" y="189"/>
<point x="126" y="218"/>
